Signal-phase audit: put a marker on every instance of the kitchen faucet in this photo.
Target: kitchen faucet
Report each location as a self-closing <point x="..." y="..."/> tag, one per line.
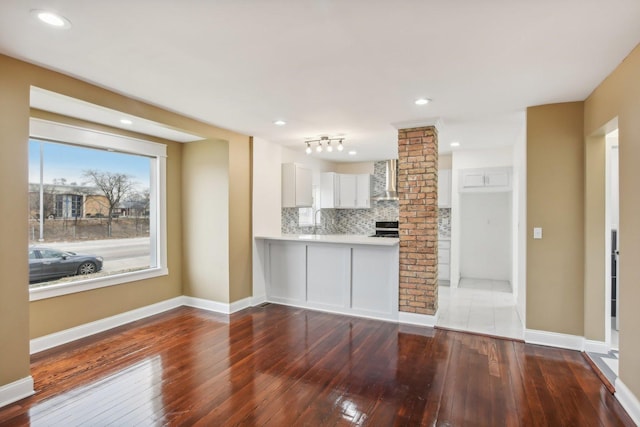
<point x="315" y="221"/>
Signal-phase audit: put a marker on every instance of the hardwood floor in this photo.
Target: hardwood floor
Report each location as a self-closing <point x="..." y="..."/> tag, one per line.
<point x="279" y="366"/>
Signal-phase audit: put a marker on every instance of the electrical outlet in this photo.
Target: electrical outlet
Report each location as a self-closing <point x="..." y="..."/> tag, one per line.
<point x="537" y="232"/>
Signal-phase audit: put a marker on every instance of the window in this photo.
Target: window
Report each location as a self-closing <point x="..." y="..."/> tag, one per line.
<point x="307" y="217"/>
<point x="66" y="205"/>
<point x="97" y="209"/>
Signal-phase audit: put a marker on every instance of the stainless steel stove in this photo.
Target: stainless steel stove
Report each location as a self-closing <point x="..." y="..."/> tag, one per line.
<point x="386" y="229"/>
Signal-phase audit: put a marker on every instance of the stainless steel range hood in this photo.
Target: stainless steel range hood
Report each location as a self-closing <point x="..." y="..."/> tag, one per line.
<point x="391" y="185"/>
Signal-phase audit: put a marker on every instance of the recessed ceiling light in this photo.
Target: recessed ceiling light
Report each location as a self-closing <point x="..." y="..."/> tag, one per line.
<point x="52" y="19"/>
<point x="455" y="144"/>
<point x="279" y="123"/>
<point x="353" y="152"/>
<point x="422" y="101"/>
<point x="126" y="122"/>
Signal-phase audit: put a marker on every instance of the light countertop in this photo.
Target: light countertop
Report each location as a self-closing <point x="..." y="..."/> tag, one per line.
<point x="354" y="239"/>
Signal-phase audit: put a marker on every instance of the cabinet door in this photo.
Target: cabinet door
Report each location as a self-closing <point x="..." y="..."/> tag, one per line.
<point x="497" y="178"/>
<point x="296" y="186"/>
<point x="444" y="259"/>
<point x="346" y="191"/>
<point x="443" y="272"/>
<point x="328" y="196"/>
<point x="328" y="275"/>
<point x="287" y="272"/>
<point x="304" y="188"/>
<point x="444" y="188"/>
<point x="363" y="189"/>
<point x="374" y="280"/>
<point x="472" y="179"/>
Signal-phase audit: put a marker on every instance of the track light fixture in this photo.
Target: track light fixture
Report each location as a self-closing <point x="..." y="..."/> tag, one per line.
<point x="324" y="141"/>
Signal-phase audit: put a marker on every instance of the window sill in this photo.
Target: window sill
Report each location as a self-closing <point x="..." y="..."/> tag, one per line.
<point x="52" y="291"/>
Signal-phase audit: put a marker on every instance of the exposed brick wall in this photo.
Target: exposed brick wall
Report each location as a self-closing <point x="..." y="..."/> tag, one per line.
<point x="418" y="209"/>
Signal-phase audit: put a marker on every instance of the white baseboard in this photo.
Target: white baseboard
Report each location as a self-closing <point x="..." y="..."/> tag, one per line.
<point x="240" y="304"/>
<point x="418" y="319"/>
<point x="333" y="310"/>
<point x="82" y="331"/>
<point x="16" y="390"/>
<point x="628" y="400"/>
<point x="257" y="300"/>
<point x="554" y="339"/>
<point x="591" y="346"/>
<point x="215" y="306"/>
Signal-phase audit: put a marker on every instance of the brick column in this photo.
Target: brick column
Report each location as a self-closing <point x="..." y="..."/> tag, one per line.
<point x="418" y="206"/>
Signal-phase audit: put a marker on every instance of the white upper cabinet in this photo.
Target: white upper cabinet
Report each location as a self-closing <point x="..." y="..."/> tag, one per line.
<point x="345" y="191"/>
<point x="328" y="193"/>
<point x="486" y="179"/>
<point x="296" y="186"/>
<point x="497" y="178"/>
<point x="444" y="188"/>
<point x="364" y="189"/>
<point x="472" y="178"/>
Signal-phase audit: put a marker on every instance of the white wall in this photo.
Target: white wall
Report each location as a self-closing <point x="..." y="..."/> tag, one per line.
<point x="465" y="160"/>
<point x="485" y="236"/>
<point x="316" y="165"/>
<point x="519" y="281"/>
<point x="267" y="158"/>
<point x="267" y="205"/>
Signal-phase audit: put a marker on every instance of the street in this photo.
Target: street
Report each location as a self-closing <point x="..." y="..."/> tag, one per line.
<point x="118" y="254"/>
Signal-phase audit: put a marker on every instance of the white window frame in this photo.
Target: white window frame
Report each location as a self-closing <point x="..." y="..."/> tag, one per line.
<point x="58" y="132"/>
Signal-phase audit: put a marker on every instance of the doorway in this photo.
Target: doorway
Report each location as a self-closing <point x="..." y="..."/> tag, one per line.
<point x="484" y="300"/>
<point x="612" y="244"/>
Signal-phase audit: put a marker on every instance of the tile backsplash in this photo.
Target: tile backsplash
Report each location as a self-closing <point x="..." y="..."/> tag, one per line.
<point x="444" y="222"/>
<point x="358" y="221"/>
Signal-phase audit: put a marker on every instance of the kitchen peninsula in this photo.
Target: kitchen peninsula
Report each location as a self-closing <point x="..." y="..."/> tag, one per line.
<point x="348" y="274"/>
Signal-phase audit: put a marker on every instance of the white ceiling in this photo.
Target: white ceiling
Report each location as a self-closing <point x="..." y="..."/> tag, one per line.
<point x="331" y="67"/>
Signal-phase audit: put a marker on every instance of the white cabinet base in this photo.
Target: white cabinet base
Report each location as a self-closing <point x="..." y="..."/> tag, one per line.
<point x="328" y="275"/>
<point x="374" y="288"/>
<point x="353" y="279"/>
<point x="285" y="271"/>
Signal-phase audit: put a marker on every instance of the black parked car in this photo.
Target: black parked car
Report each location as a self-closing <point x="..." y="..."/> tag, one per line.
<point x="46" y="263"/>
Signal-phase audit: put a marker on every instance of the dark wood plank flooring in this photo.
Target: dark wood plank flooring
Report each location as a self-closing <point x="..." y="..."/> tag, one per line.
<point x="282" y="366"/>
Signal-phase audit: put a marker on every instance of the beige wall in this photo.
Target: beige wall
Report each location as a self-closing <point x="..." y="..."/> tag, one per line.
<point x="240" y="224"/>
<point x="445" y="161"/>
<point x="21" y="320"/>
<point x="594" y="238"/>
<point x="205" y="177"/>
<point x="555" y="202"/>
<point x="217" y="220"/>
<point x="619" y="96"/>
<point x="14" y="297"/>
<point x="355" y="167"/>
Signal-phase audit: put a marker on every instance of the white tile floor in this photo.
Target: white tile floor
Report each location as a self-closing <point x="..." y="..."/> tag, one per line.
<point x="478" y="305"/>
